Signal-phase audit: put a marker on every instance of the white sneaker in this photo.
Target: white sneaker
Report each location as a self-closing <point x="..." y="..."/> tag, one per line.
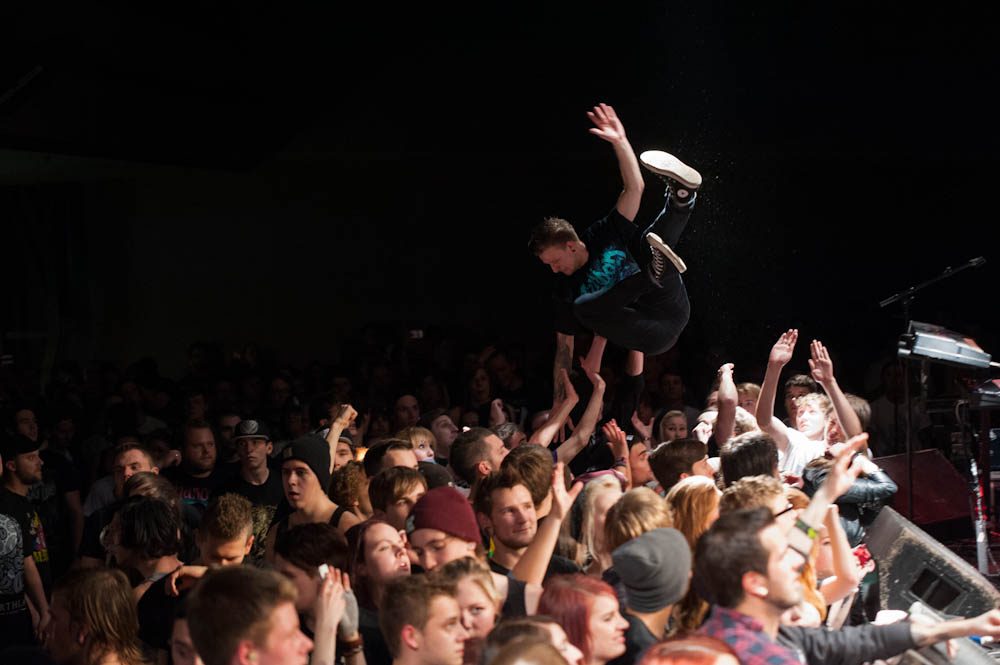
<point x="660" y="250"/>
<point x="668" y="166"/>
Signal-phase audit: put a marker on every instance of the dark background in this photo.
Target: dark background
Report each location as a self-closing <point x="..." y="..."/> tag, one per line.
<point x="287" y="174"/>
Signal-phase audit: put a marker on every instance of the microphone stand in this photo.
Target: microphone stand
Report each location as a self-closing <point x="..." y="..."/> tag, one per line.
<point x="905" y="298"/>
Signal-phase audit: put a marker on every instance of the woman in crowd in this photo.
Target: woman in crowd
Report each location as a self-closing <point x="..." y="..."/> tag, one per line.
<point x="587" y="609"/>
<point x="476" y="595"/>
<point x="673" y="425"/>
<point x="596" y="500"/>
<point x="695" y="505"/>
<point x="690" y="650"/>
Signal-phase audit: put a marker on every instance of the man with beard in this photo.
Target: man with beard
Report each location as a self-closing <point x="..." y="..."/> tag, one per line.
<point x="198" y="475"/>
<point x="506" y="511"/>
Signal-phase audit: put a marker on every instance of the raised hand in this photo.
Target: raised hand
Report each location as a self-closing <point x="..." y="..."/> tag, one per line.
<point x="497" y="415"/>
<point x="594" y="375"/>
<point x="606" y="124"/>
<point x="330" y="602"/>
<point x="820" y="364"/>
<point x="845" y="469"/>
<point x="568" y="388"/>
<point x="346" y="416"/>
<point x="347" y="629"/>
<point x="783" y="349"/>
<point x="562" y="500"/>
<point x="617" y="440"/>
<point x="645" y="430"/>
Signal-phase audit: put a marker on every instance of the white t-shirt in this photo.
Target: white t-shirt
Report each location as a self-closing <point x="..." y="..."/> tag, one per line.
<point x="801" y="450"/>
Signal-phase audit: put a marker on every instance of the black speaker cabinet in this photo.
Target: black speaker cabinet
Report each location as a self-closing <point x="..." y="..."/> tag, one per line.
<point x="915" y="567"/>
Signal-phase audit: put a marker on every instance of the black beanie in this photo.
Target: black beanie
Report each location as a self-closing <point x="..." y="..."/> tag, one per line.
<point x="315" y="452"/>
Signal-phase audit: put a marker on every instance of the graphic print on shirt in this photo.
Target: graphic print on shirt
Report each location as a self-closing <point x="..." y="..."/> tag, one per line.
<point x="41" y="553"/>
<point x="605" y="271"/>
<point x="11" y="558"/>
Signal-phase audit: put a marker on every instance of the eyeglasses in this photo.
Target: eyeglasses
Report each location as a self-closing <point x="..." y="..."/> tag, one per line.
<point x="787" y="509"/>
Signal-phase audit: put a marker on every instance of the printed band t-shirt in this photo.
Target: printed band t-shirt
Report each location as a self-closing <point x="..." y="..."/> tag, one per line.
<point x="24" y="513"/>
<point x="609" y="262"/>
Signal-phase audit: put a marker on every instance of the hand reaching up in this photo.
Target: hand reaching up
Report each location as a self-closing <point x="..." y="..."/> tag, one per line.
<point x="820" y="364"/>
<point x="562" y="500"/>
<point x="783" y="349"/>
<point x="606" y="123"/>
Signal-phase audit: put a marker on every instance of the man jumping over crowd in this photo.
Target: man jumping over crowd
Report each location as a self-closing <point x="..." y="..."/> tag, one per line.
<point x="619" y="280"/>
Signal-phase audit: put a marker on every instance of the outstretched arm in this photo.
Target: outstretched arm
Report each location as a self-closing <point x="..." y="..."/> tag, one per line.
<point x="560" y="412"/>
<point x="781" y="353"/>
<point x="822" y="371"/>
<point x="588" y="421"/>
<point x="563" y="362"/>
<point x="608" y="127"/>
<point x="728" y="399"/>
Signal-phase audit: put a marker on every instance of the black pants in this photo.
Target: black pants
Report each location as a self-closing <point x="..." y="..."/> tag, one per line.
<point x="636" y="313"/>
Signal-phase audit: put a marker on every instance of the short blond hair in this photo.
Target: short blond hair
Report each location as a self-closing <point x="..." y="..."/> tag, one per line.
<point x="637" y="511"/>
<point x="750" y="492"/>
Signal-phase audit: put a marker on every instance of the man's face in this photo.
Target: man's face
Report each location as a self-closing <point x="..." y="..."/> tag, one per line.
<point x="792" y="394"/>
<point x="513" y="517"/>
<point x="445" y="431"/>
<point x="28" y="468"/>
<point x="783" y="512"/>
<point x="435" y="548"/>
<point x="748" y="401"/>
<point x="783" y="567"/>
<point x="253" y="452"/>
<point x="407" y="411"/>
<point x="285" y="644"/>
<point x="306" y="584"/>
<point x="62" y="432"/>
<point x="127" y="465"/>
<point x="227" y="425"/>
<point x="565" y="259"/>
<point x="300" y="483"/>
<point x="182" y="649"/>
<point x="385" y="554"/>
<point x="638" y="461"/>
<point x="810" y="421"/>
<point x="501" y="370"/>
<point x="397" y="511"/>
<point x="703" y="468"/>
<point x="496" y="451"/>
<point x="26" y="423"/>
<point x="343" y="455"/>
<point x="672" y="387"/>
<point x="394" y="458"/>
<point x="199" y="450"/>
<point x="217" y="552"/>
<point x="442" y="640"/>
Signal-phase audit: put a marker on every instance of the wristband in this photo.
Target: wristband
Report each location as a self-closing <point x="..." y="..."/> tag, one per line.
<point x="619" y="462"/>
<point x="806" y="529"/>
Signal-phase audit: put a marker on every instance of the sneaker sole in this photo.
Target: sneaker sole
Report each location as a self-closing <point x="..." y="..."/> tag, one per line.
<point x="665" y="164"/>
<point x="663" y="248"/>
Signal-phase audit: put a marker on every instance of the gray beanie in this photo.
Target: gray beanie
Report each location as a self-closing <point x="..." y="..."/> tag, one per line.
<point x="655" y="569"/>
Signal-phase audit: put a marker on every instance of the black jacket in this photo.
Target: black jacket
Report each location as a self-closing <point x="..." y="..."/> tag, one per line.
<point x="859" y="505"/>
<point x="852" y="645"/>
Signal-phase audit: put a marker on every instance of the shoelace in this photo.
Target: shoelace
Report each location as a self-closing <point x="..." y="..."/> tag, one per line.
<point x="658" y="260"/>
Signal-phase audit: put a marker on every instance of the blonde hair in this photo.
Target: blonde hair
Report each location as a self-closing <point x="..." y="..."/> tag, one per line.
<point x="101" y="599"/>
<point x="750" y="492"/>
<point x="416" y="434"/>
<point x="662" y="431"/>
<point x="590" y="493"/>
<point x="639" y="510"/>
<point x="692" y="500"/>
<point x="453" y="572"/>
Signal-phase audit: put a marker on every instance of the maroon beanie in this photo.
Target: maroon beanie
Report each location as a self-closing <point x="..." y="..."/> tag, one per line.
<point x="444" y="509"/>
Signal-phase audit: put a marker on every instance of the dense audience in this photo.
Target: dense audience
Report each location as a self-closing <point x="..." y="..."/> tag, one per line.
<point x="424" y="507"/>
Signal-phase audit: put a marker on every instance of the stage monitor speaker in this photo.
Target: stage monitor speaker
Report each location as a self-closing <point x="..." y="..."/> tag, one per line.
<point x="940" y="493"/>
<point x="915" y="567"/>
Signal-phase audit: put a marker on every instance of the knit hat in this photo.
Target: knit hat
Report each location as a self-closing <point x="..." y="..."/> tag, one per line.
<point x="435" y="474"/>
<point x="655" y="569"/>
<point x="17" y="444"/>
<point x="250" y="429"/>
<point x="444" y="509"/>
<point x="315" y="452"/>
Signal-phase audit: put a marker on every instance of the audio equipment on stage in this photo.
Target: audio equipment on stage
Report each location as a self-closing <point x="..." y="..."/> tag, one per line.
<point x="931" y="342"/>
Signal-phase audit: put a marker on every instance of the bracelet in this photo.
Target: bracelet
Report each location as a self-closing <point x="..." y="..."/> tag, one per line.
<point x="351" y="651"/>
<point x="806" y="529"/>
<point x="620" y="462"/>
<point x="350" y="647"/>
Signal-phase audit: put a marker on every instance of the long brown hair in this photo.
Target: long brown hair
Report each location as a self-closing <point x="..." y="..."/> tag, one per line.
<point x="101" y="599"/>
<point x="693" y="499"/>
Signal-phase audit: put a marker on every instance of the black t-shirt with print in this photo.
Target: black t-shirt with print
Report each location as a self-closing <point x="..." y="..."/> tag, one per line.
<point x="610" y="261"/>
<point x="32" y="531"/>
<point x="265" y="499"/>
<point x="15" y="620"/>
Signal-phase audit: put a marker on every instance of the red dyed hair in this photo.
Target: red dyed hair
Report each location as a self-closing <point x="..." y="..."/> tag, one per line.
<point x="689" y="650"/>
<point x="568" y="599"/>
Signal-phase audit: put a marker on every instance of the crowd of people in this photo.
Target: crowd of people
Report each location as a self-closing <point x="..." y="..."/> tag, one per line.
<point x="200" y="522"/>
<point x="423" y="507"/>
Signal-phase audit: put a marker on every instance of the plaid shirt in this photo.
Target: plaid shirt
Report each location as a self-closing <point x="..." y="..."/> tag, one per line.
<point x="746" y="636"/>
